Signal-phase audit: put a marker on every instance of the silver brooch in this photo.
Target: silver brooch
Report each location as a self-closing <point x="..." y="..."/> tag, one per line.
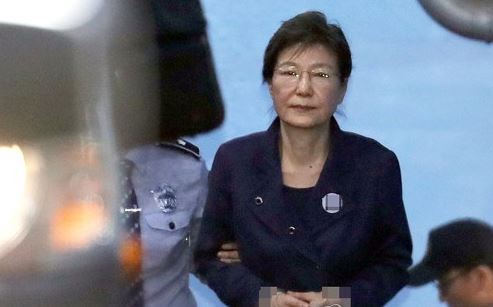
<point x="165" y="198"/>
<point x="332" y="203"/>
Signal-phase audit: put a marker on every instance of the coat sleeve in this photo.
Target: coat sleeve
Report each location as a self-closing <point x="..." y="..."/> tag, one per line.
<point x="392" y="255"/>
<point x="234" y="284"/>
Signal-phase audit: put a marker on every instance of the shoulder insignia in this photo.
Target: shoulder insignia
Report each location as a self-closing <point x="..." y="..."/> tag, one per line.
<point x="182" y="145"/>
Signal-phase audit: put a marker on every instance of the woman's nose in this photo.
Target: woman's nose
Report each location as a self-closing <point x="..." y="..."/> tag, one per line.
<point x="304" y="85"/>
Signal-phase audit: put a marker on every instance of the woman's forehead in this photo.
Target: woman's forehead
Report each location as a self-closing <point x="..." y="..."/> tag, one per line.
<point x="312" y="55"/>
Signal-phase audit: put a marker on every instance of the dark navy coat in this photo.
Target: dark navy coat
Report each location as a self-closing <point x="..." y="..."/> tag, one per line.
<point x="365" y="246"/>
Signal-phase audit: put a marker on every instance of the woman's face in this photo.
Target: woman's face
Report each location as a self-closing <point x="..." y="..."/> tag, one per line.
<point x="306" y="87"/>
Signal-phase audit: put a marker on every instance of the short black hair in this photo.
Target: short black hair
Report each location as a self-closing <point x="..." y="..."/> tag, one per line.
<point x="308" y="29"/>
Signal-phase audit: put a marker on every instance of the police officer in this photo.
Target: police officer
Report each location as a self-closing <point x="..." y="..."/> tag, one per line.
<point x="459" y="259"/>
<point x="165" y="184"/>
<point x="169" y="180"/>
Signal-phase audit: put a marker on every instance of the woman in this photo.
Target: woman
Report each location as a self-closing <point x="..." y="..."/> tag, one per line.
<point x="308" y="204"/>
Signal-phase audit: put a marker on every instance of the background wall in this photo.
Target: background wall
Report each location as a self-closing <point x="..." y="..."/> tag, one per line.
<point x="422" y="91"/>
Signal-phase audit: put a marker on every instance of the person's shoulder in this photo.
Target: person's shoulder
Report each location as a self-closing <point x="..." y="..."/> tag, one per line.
<point x="241" y="150"/>
<point x="182" y="147"/>
<point x="176" y="152"/>
<point x="364" y="142"/>
<point x="247" y="142"/>
<point x="366" y="148"/>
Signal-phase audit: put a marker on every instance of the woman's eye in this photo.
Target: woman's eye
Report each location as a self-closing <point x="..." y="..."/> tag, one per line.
<point x="322" y="75"/>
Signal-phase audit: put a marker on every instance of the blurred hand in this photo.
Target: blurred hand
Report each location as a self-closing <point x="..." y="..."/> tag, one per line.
<point x="307" y="296"/>
<point x="286" y="300"/>
<point x="229" y="253"/>
<point x="315" y="299"/>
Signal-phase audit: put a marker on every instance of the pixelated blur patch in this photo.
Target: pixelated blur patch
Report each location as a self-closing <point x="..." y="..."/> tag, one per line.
<point x="337" y="296"/>
<point x="265" y="295"/>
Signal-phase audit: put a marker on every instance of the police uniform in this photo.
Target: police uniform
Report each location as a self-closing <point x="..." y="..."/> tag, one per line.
<point x="170" y="184"/>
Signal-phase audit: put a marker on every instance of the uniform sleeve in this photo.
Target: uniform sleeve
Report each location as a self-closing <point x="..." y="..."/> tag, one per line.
<point x="197" y="214"/>
<point x="392" y="256"/>
<point x="234" y="284"/>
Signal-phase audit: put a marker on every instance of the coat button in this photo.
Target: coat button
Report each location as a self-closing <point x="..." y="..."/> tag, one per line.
<point x="171" y="225"/>
<point x="291" y="230"/>
<point x="259" y="200"/>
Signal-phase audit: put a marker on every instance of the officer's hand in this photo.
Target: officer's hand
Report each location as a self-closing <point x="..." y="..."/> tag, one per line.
<point x="229" y="253"/>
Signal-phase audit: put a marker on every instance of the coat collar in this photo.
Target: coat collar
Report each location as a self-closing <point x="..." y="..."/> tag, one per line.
<point x="338" y="162"/>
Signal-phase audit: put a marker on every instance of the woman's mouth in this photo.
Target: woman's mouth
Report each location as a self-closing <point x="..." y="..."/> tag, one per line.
<point x="301" y="108"/>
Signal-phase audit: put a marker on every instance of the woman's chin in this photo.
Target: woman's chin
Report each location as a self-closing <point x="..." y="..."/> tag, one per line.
<point x="303" y="122"/>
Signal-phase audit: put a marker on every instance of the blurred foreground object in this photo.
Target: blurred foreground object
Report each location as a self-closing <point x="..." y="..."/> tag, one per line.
<point x="58" y="230"/>
<point x="73" y="96"/>
<point x="469" y="18"/>
<point x="188" y="84"/>
<point x="58" y="234"/>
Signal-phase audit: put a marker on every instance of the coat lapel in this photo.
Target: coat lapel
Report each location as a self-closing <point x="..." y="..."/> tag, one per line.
<point x="269" y="184"/>
<point x="338" y="176"/>
<point x="335" y="175"/>
<point x="272" y="211"/>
